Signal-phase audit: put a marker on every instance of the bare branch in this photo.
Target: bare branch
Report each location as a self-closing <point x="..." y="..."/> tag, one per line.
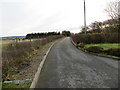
<point x="112" y="9"/>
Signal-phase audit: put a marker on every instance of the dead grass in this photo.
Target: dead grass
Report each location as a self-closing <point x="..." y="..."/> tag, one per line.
<point x="30" y="69"/>
<point x="17" y="56"/>
<point x="4" y="43"/>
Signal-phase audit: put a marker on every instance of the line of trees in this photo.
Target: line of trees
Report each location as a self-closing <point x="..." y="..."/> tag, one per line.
<point x="44" y="35"/>
<point x="66" y="33"/>
<point x="41" y="35"/>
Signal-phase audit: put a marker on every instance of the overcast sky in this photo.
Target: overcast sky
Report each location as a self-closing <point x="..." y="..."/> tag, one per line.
<point x="20" y="17"/>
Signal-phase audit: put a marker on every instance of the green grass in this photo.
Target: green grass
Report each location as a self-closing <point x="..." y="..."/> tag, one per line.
<point x="13" y="85"/>
<point x="105" y="46"/>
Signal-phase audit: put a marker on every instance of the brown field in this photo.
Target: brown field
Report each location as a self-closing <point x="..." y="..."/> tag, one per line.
<point x="4" y="43"/>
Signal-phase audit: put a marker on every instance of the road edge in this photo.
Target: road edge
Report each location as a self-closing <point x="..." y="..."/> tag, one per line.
<point x="107" y="56"/>
<point x="34" y="82"/>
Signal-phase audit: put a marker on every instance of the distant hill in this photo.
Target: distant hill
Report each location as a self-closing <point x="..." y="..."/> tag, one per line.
<point x="12" y="37"/>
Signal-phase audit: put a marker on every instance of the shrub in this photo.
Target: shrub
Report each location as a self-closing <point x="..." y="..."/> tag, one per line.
<point x="81" y="45"/>
<point x="114" y="52"/>
<point x="95" y="49"/>
<point x="96" y="38"/>
<point x="104" y="50"/>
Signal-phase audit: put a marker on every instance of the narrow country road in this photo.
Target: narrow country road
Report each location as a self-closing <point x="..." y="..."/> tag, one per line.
<point x="68" y="67"/>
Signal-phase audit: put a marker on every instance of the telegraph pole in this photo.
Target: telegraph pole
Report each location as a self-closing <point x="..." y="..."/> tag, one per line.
<point x="85" y="18"/>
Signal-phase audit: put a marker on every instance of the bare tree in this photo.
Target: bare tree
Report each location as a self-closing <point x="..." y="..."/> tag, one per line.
<point x="119" y="12"/>
<point x="114" y="12"/>
<point x="112" y="9"/>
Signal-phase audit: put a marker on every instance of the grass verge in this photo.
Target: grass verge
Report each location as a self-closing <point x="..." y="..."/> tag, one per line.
<point x="13" y="85"/>
<point x="105" y="49"/>
<point x="17" y="56"/>
<point x="18" y="60"/>
<point x="104" y="46"/>
<point x="111" y="49"/>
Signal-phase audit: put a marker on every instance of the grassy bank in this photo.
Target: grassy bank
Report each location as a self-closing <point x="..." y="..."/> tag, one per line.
<point x="13" y="85"/>
<point x="16" y="56"/>
<point x="105" y="49"/>
<point x="104" y="45"/>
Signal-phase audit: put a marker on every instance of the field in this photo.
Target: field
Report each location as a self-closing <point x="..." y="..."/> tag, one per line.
<point x="105" y="46"/>
<point x="4" y="43"/>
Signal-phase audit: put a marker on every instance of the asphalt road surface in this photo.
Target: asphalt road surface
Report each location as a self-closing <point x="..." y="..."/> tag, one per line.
<point x="68" y="67"/>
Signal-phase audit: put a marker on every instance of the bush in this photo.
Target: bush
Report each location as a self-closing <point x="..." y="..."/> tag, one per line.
<point x="95" y="49"/>
<point x="96" y="38"/>
<point x="114" y="52"/>
<point x="104" y="50"/>
<point x="81" y="45"/>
